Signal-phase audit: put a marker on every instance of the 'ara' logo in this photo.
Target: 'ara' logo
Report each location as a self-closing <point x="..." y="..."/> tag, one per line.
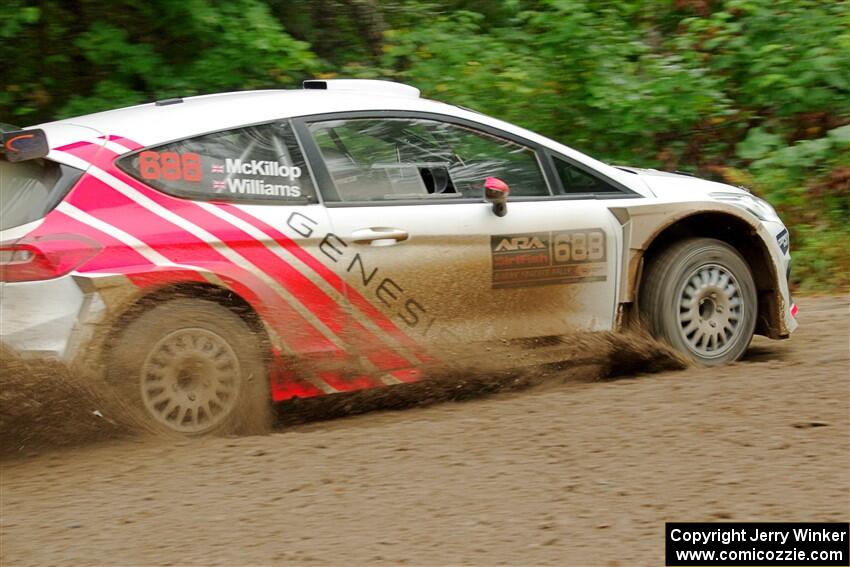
<point x="513" y="243"/>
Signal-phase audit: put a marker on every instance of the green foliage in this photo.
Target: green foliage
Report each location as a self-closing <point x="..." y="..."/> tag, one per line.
<point x="758" y="144"/>
<point x="788" y="56"/>
<point x="110" y="54"/>
<point x="746" y="91"/>
<point x="809" y="182"/>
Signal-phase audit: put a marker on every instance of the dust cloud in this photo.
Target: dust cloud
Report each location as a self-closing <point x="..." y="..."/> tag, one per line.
<point x="512" y="366"/>
<point x="44" y="405"/>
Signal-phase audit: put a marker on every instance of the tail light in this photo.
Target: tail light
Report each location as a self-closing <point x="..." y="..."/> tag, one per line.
<point x="45" y="258"/>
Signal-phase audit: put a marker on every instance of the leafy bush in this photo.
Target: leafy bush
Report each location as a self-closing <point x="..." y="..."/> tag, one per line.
<point x="809" y="182"/>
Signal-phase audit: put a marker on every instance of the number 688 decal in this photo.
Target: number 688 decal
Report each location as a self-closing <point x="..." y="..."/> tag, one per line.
<point x="576" y="246"/>
<point x="170" y="166"/>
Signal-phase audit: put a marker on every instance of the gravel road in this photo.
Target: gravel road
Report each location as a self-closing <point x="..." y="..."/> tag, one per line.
<point x="576" y="473"/>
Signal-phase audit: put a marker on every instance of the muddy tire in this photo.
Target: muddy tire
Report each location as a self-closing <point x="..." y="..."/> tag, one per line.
<point x="698" y="295"/>
<point x="192" y="367"/>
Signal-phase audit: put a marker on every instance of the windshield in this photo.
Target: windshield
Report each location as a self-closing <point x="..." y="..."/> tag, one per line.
<point x="31" y="189"/>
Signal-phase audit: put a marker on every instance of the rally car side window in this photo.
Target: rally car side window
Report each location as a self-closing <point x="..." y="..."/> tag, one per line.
<point x="392" y="159"/>
<point x="261" y="164"/>
<point x="576" y="181"/>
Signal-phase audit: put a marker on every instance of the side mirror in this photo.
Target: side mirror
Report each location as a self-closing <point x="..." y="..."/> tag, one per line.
<point x="496" y="192"/>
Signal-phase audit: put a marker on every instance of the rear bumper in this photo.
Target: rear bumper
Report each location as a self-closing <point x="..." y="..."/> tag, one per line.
<point x="47" y="318"/>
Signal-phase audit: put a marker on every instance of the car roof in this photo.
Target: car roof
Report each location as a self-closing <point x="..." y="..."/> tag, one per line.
<point x="154" y="123"/>
<point x="164" y="121"/>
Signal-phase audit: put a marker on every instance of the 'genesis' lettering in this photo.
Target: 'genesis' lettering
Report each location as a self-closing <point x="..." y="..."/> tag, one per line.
<point x="302" y="224"/>
<point x="387" y="291"/>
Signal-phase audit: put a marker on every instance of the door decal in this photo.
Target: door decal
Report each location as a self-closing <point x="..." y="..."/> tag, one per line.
<point x="543" y="258"/>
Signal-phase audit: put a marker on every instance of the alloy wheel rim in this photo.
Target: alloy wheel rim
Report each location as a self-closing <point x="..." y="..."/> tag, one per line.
<point x="711" y="310"/>
<point x="190" y="381"/>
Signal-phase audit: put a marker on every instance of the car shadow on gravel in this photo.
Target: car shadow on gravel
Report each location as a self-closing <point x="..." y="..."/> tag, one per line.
<point x="760" y="353"/>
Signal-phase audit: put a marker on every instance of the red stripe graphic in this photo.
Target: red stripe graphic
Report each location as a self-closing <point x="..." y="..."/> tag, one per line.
<point x="105" y="161"/>
<point x="114" y="253"/>
<point x="349" y="383"/>
<point x="360" y="302"/>
<point x="115" y="256"/>
<point x="129" y="144"/>
<point x="305" y="290"/>
<point x="408" y="375"/>
<point x="313" y="297"/>
<point x="180" y="246"/>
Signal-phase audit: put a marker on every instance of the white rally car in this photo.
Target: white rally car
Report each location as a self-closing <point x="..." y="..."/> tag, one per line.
<point x="215" y="252"/>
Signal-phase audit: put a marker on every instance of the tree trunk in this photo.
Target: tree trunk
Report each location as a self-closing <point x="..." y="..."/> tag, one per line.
<point x="371" y="23"/>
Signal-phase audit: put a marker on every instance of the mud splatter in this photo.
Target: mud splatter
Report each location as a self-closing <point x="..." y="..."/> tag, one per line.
<point x="549" y="361"/>
<point x="42" y="404"/>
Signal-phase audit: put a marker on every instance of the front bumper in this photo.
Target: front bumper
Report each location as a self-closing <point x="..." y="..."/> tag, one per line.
<point x="778" y="245"/>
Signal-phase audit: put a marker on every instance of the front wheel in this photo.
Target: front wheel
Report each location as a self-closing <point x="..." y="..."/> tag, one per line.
<point x="699" y="296"/>
<point x="192" y="367"/>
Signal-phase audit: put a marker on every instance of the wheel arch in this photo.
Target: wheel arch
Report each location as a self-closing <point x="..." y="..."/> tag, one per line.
<point x="189" y="289"/>
<point x="137" y="330"/>
<point x="726" y="226"/>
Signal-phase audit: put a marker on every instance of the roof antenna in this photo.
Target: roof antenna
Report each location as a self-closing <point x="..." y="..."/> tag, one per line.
<point x="169" y="101"/>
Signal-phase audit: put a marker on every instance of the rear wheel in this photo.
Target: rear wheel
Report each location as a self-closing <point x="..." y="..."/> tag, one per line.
<point x="699" y="296"/>
<point x="192" y="367"/>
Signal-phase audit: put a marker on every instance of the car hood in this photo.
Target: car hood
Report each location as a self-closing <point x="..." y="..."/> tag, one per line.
<point x="679" y="185"/>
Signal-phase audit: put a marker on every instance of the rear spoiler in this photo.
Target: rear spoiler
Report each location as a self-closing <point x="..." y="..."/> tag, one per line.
<point x="21" y="145"/>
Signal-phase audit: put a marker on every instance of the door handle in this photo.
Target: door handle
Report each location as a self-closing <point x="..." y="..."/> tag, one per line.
<point x="379" y="236"/>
